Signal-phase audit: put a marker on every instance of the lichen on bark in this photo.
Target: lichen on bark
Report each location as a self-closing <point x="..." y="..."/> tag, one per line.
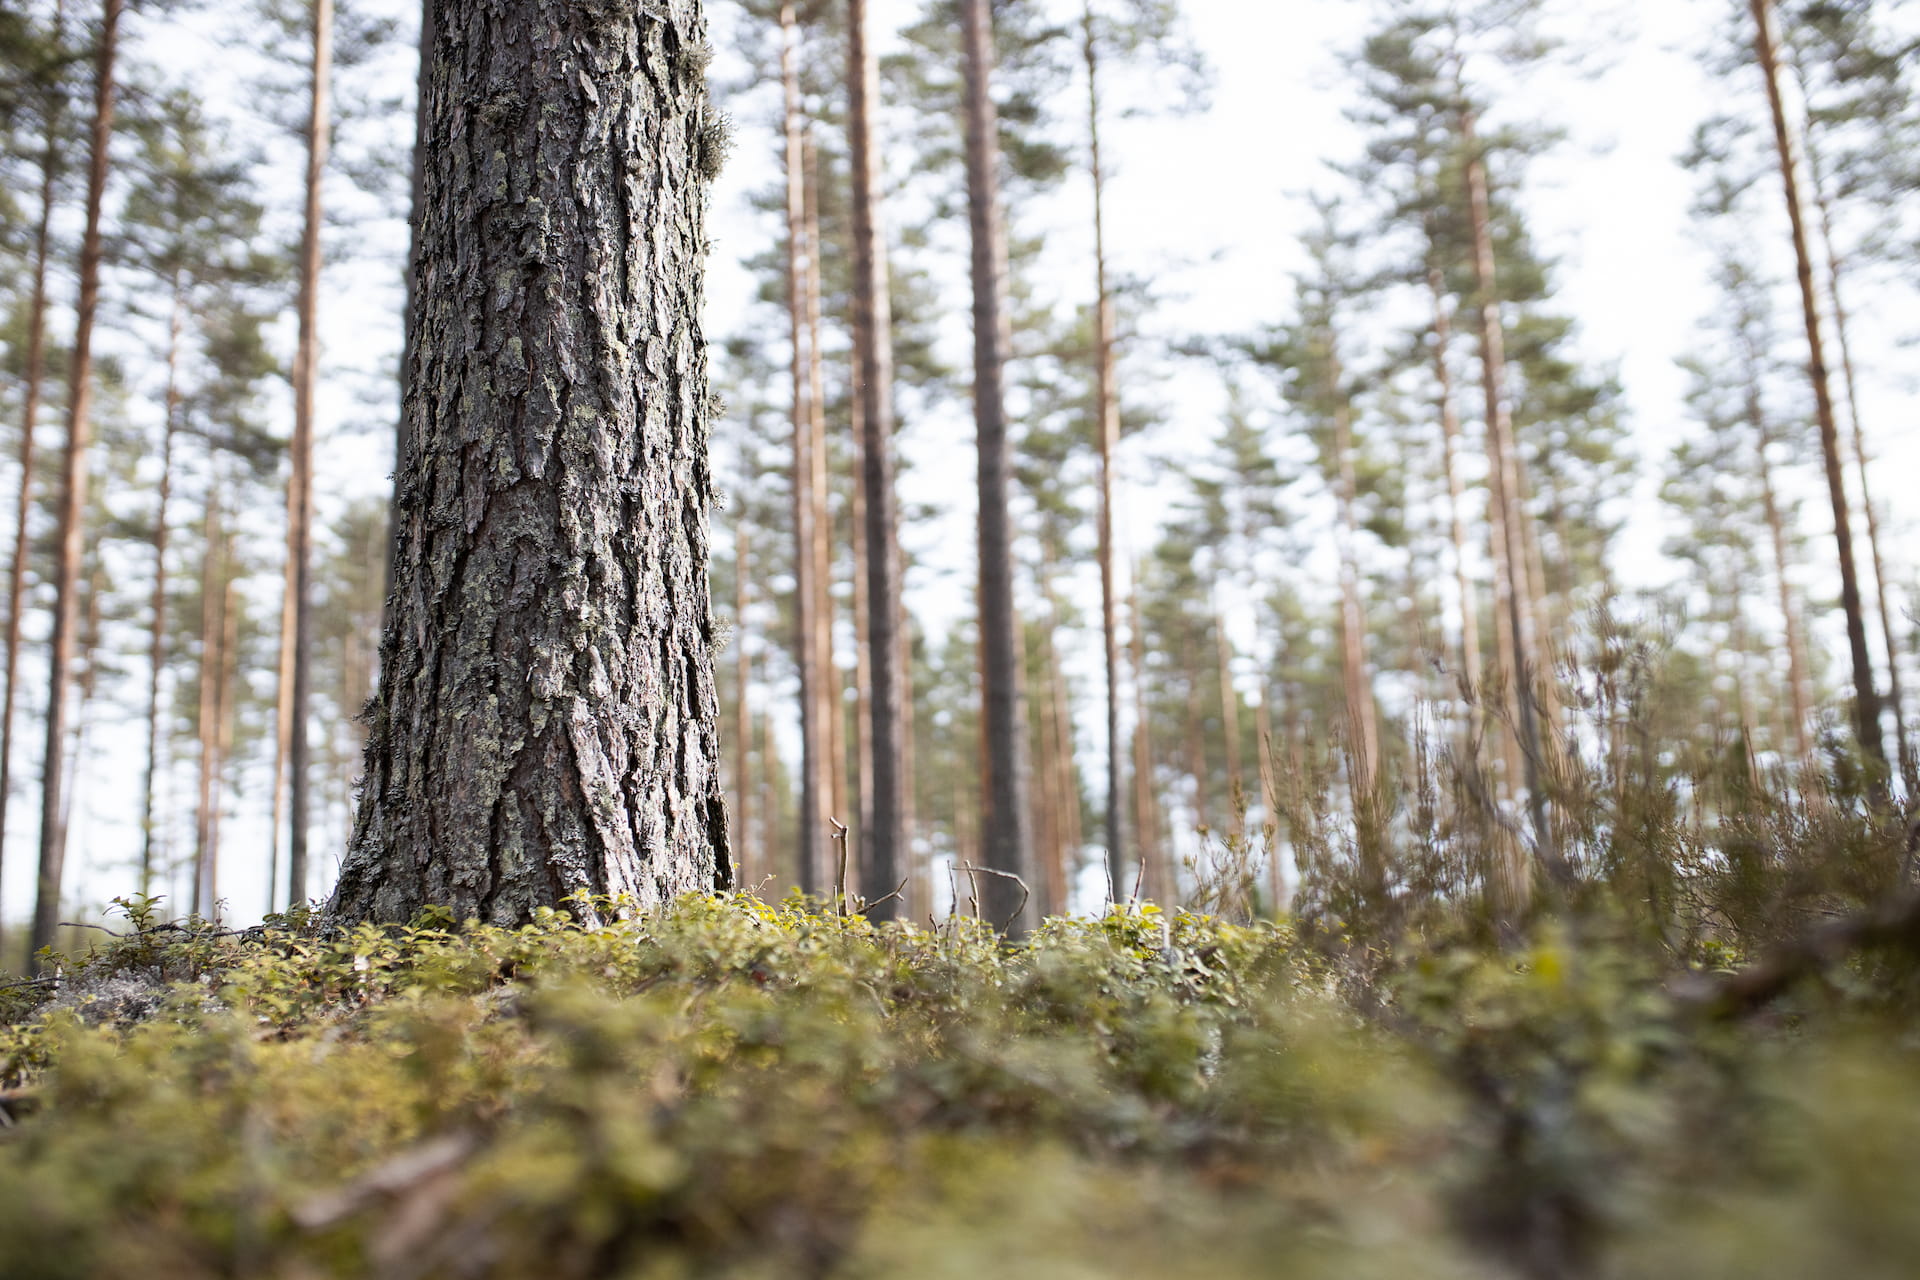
<point x="546" y="718"/>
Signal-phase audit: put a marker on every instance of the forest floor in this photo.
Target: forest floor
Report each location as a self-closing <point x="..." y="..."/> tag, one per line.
<point x="728" y="1088"/>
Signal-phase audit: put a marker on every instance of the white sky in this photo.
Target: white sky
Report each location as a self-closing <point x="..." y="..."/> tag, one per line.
<point x="1207" y="206"/>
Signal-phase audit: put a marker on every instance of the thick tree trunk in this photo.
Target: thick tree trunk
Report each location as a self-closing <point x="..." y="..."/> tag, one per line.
<point x="546" y="722"/>
<point x="1866" y="696"/>
<point x="809" y="660"/>
<point x="157" y="634"/>
<point x="73" y="506"/>
<point x="1107" y="425"/>
<point x="36" y="373"/>
<point x="885" y="845"/>
<point x="1508" y="530"/>
<point x="416" y="212"/>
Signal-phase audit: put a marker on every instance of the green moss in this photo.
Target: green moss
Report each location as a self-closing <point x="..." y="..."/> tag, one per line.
<point x="727" y="1087"/>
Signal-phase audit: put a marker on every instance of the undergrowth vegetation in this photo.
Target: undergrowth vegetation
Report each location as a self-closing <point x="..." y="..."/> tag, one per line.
<point x="731" y="1088"/>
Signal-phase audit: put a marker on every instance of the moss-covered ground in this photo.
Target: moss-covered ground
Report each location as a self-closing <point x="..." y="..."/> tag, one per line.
<point x="733" y="1089"/>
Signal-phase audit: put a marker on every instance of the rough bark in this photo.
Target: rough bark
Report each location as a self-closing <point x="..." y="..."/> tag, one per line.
<point x="1866" y="696"/>
<point x="809" y="659"/>
<point x="546" y="722"/>
<point x="886" y="843"/>
<point x="32" y="394"/>
<point x="416" y="212"/>
<point x="1008" y="843"/>
<point x="1107" y="426"/>
<point x="73" y="505"/>
<point x="1511" y="591"/>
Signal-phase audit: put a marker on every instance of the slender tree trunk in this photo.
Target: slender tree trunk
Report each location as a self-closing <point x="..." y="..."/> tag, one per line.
<point x="73" y="506"/>
<point x="212" y="593"/>
<point x="815" y="771"/>
<point x="857" y="517"/>
<point x="745" y="854"/>
<point x="546" y="723"/>
<point x="1362" y="720"/>
<point x="157" y="635"/>
<point x="1856" y="439"/>
<point x="306" y="372"/>
<point x="1196" y="758"/>
<point x="1798" y="684"/>
<point x="226" y="703"/>
<point x="1107" y="424"/>
<point x="885" y="842"/>
<point x="84" y="704"/>
<point x="1146" y="812"/>
<point x="1229" y="713"/>
<point x="1044" y="795"/>
<point x="1508" y="529"/>
<point x="1008" y="842"/>
<point x="1471" y="675"/>
<point x="1857" y="446"/>
<point x="36" y="373"/>
<point x="833" y="713"/>
<point x="1866" y="696"/>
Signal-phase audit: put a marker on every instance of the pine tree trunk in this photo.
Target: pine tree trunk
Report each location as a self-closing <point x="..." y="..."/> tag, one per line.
<point x="1107" y="424"/>
<point x="1471" y="675"/>
<point x="1866" y="696"/>
<point x="157" y="634"/>
<point x="885" y="844"/>
<point x="815" y="772"/>
<point x="1798" y="685"/>
<point x="36" y="373"/>
<point x="211" y="664"/>
<point x="84" y="703"/>
<point x="1229" y="712"/>
<point x="857" y="517"/>
<point x="1008" y="843"/>
<point x="73" y="506"/>
<point x="1856" y="445"/>
<point x="1146" y="811"/>
<point x="306" y="371"/>
<point x="1362" y="721"/>
<point x="1505" y="475"/>
<point x="401" y="445"/>
<point x="546" y="722"/>
<point x="745" y="854"/>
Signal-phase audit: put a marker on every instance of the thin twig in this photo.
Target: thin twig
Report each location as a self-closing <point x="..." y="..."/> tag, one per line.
<point x="840" y="881"/>
<point x="1025" y="893"/>
<point x="898" y="889"/>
